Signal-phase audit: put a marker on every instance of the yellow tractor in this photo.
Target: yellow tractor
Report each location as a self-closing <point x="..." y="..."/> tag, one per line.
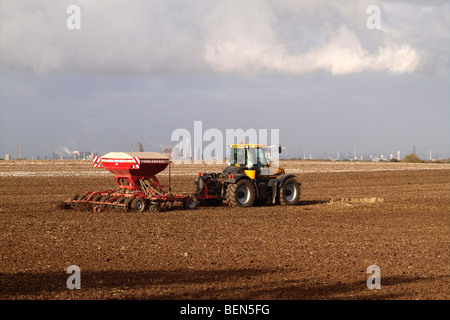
<point x="249" y="179"/>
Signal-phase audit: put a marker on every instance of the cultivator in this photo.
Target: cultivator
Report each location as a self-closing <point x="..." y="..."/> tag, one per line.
<point x="138" y="188"/>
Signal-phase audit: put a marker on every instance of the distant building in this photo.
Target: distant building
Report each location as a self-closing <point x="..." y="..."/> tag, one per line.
<point x="87" y="155"/>
<point x="7" y="156"/>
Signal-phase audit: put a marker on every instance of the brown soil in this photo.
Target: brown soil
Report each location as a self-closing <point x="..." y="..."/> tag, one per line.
<point x="319" y="249"/>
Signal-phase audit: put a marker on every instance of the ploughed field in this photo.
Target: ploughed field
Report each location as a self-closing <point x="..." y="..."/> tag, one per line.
<point x="351" y="215"/>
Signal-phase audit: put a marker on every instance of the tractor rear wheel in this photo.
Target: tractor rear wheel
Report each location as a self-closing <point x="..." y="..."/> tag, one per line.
<point x="290" y="192"/>
<point x="241" y="194"/>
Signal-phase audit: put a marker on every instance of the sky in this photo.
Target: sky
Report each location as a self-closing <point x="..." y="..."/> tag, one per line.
<point x="331" y="76"/>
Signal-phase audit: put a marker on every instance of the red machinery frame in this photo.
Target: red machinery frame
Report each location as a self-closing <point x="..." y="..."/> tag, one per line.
<point x="138" y="187"/>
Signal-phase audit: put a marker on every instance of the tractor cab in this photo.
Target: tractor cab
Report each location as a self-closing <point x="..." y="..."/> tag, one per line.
<point x="254" y="159"/>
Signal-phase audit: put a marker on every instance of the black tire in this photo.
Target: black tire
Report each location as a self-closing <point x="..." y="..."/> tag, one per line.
<point x="241" y="194"/>
<point x="290" y="192"/>
<point x="190" y="203"/>
<point x="138" y="204"/>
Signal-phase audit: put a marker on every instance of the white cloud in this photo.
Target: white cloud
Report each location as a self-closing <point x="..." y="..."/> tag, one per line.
<point x="344" y="54"/>
<point x="242" y="37"/>
<point x="244" y="41"/>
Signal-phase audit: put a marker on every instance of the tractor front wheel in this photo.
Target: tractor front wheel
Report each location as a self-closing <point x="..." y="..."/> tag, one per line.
<point x="290" y="192"/>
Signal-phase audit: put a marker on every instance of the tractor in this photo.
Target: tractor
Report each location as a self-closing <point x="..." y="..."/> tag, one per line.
<point x="249" y="179"/>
